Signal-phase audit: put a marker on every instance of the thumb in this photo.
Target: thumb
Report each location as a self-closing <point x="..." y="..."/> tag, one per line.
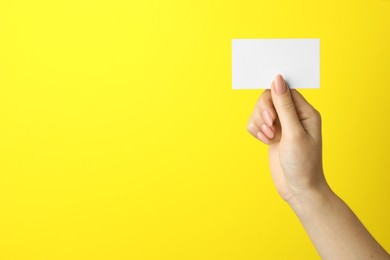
<point x="285" y="107"/>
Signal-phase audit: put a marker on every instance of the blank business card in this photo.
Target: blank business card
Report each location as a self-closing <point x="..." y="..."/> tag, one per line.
<point x="256" y="62"/>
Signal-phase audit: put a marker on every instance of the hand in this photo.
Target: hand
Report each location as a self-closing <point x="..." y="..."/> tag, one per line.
<point x="285" y="121"/>
<point x="291" y="127"/>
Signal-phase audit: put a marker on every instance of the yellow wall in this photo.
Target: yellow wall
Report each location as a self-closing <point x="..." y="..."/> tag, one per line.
<point x="121" y="138"/>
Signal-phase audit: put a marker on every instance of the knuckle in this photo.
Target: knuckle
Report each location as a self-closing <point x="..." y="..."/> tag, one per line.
<point x="264" y="99"/>
<point x="248" y="127"/>
<point x="317" y="115"/>
<point x="252" y="128"/>
<point x="257" y="118"/>
<point x="287" y="105"/>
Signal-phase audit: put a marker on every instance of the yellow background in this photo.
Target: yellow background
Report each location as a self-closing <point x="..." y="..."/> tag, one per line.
<point x="121" y="138"/>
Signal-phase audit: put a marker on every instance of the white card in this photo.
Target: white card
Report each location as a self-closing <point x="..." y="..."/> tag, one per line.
<point x="256" y="62"/>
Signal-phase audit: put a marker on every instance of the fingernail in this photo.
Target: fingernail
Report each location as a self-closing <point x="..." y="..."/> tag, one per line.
<point x="267" y="118"/>
<point x="267" y="131"/>
<point x="262" y="137"/>
<point x="280" y="86"/>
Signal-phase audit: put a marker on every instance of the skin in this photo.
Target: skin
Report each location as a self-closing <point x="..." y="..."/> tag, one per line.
<point x="291" y="127"/>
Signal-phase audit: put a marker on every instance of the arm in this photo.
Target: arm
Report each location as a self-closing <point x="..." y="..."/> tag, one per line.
<point x="335" y="230"/>
<point x="291" y="128"/>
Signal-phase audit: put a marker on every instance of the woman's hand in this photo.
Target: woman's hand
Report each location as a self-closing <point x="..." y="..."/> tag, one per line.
<point x="285" y="121"/>
<point x="291" y="127"/>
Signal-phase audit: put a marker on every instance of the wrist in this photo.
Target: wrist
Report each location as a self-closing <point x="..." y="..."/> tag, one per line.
<point x="313" y="198"/>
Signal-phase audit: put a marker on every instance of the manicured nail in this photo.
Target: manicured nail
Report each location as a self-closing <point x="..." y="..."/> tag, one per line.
<point x="262" y="137"/>
<point x="267" y="118"/>
<point x="280" y="85"/>
<point x="267" y="131"/>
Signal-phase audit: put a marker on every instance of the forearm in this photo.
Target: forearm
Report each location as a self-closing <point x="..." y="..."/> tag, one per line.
<point x="334" y="229"/>
<point x="285" y="121"/>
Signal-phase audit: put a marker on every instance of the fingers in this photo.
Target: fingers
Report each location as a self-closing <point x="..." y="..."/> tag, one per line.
<point x="263" y="138"/>
<point x="266" y="108"/>
<point x="285" y="107"/>
<point x="283" y="111"/>
<point x="261" y="123"/>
